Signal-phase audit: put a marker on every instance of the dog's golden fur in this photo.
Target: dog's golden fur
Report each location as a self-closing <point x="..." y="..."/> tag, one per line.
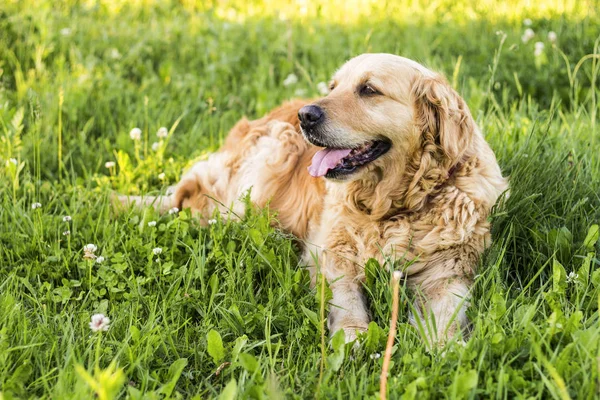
<point x="425" y="202"/>
<point x="268" y="156"/>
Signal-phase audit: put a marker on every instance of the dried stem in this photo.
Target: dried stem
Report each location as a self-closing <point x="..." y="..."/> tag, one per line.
<point x="396" y="276"/>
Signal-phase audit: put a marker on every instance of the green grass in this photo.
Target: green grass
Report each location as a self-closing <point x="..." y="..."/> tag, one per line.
<point x="226" y="309"/>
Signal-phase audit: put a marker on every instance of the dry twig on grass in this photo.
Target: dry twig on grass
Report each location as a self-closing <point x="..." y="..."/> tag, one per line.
<point x="396" y="276"/>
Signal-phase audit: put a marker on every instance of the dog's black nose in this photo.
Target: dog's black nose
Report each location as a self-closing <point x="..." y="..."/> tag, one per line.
<point x="310" y="116"/>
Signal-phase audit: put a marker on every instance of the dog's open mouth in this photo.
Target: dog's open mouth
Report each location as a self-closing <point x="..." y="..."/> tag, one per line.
<point x="333" y="163"/>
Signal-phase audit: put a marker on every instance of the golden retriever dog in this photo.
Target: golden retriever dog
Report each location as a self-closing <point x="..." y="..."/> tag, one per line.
<point x="389" y="165"/>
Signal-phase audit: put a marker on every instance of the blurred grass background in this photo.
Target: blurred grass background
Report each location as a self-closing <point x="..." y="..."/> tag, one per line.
<point x="77" y="76"/>
<point x="120" y="62"/>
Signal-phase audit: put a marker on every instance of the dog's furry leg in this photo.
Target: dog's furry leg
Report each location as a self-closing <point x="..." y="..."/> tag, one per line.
<point x="348" y="309"/>
<point x="441" y="310"/>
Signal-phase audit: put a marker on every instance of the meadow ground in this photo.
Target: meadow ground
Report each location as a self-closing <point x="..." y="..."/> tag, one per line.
<point x="226" y="310"/>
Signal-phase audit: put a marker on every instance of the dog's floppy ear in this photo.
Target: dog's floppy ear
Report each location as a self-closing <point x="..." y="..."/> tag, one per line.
<point x="446" y="133"/>
<point x="442" y="116"/>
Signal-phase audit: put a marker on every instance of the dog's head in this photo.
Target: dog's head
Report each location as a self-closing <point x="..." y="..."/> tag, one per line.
<point x="382" y="109"/>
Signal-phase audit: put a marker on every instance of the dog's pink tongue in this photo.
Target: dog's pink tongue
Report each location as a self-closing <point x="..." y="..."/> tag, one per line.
<point x="325" y="160"/>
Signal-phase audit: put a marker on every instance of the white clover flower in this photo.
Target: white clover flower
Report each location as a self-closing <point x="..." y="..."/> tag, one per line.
<point x="552" y="36"/>
<point x="36" y="205"/>
<point x="155" y="146"/>
<point x="100" y="260"/>
<point x="162" y="132"/>
<point x="67" y="218"/>
<point x="13" y="160"/>
<point x="152" y="223"/>
<point x="499" y="33"/>
<point x="174" y="210"/>
<point x="135" y="134"/>
<point x="290" y="80"/>
<point x="65" y="31"/>
<point x="99" y="322"/>
<point x="161" y="176"/>
<point x="156" y="251"/>
<point x="300" y="92"/>
<point x="375" y="356"/>
<point x="397" y="275"/>
<point x="212" y="221"/>
<point x="528" y="35"/>
<point x="109" y="164"/>
<point x="539" y="49"/>
<point x="527" y="22"/>
<point x="323" y="88"/>
<point x="90" y="248"/>
<point x="66" y="233"/>
<point x="572" y="277"/>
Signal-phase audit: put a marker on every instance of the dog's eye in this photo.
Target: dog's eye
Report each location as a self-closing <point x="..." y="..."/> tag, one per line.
<point x="368" y="90"/>
<point x="331" y="86"/>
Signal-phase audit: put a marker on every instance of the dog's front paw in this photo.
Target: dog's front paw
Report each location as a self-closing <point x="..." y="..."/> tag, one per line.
<point x="352" y="333"/>
<point x="352" y="325"/>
